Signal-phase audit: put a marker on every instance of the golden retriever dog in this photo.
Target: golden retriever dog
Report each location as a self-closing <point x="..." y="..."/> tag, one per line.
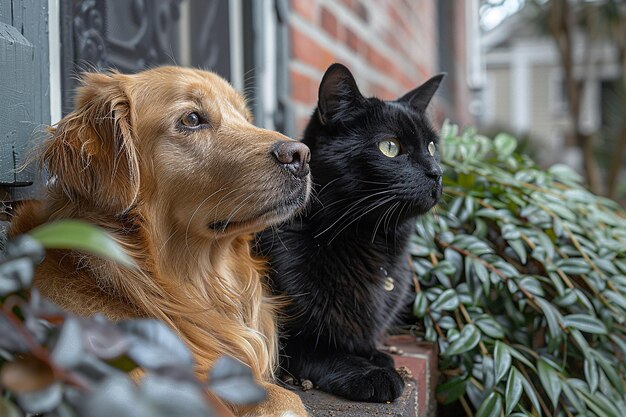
<point x="168" y="162"/>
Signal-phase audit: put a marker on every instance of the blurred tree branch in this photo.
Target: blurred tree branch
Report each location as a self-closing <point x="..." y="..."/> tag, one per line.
<point x="562" y="24"/>
<point x="618" y="30"/>
<point x="599" y="22"/>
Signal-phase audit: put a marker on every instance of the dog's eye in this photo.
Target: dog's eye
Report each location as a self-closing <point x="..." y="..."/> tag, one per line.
<point x="389" y="147"/>
<point x="191" y="120"/>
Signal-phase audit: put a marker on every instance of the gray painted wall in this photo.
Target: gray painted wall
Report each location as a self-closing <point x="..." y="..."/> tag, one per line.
<point x="24" y="90"/>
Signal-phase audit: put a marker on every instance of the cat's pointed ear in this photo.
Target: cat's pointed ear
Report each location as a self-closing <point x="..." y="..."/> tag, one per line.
<point x="421" y="96"/>
<point x="338" y="93"/>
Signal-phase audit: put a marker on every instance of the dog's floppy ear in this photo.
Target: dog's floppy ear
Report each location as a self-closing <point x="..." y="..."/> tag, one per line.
<point x="338" y="94"/>
<point x="91" y="155"/>
<point x="421" y="96"/>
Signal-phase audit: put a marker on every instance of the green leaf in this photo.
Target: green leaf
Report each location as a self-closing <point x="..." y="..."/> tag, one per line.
<point x="517" y="355"/>
<point x="431" y="334"/>
<point x="468" y="339"/>
<point x="560" y="210"/>
<point x="490" y="213"/>
<point x="546" y="244"/>
<point x="451" y="390"/>
<point x="532" y="285"/>
<point x="520" y="250"/>
<point x="505" y="145"/>
<point x="574" y="266"/>
<point x="418" y="250"/>
<point x="447" y="300"/>
<point x="565" y="173"/>
<point x="510" y="232"/>
<point x="580" y="340"/>
<point x="553" y="317"/>
<point x="585" y="323"/>
<point x="489" y="326"/>
<point x="529" y="389"/>
<point x="617" y="299"/>
<point x="572" y="396"/>
<point x="502" y="360"/>
<point x="607" y="266"/>
<point x="568" y="298"/>
<point x="591" y="373"/>
<point x="550" y="380"/>
<point x="445" y="267"/>
<point x="420" y="305"/>
<point x="480" y="270"/>
<point x="513" y="391"/>
<point x="81" y="236"/>
<point x="491" y="406"/>
<point x="8" y="409"/>
<point x="596" y="403"/>
<point x="610" y="371"/>
<point x="521" y="220"/>
<point x="579" y="195"/>
<point x="619" y="341"/>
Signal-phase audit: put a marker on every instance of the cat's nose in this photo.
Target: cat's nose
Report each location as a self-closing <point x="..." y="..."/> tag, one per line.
<point x="294" y="156"/>
<point x="435" y="174"/>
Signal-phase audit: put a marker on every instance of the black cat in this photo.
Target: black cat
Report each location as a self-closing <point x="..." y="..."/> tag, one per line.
<point x="343" y="264"/>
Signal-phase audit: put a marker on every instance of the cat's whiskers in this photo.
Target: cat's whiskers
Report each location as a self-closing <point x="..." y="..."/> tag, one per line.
<point x="326" y="207"/>
<point x="314" y="197"/>
<point x="321" y="191"/>
<point x="315" y="194"/>
<point x="371" y="182"/>
<point x="398" y="216"/>
<point x="381" y="220"/>
<point x="349" y="207"/>
<point x="329" y="183"/>
<point x="388" y="221"/>
<point x="442" y="201"/>
<point x="350" y="197"/>
<point x="366" y="191"/>
<point x="349" y="210"/>
<point x="360" y="216"/>
<point x="354" y="208"/>
<point x="404" y="206"/>
<point x="274" y="229"/>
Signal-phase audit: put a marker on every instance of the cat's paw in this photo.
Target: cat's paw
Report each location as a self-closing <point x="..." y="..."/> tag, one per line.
<point x="382" y="359"/>
<point x="378" y="386"/>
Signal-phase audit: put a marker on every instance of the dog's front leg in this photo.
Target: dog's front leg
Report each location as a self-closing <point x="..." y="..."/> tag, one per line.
<point x="280" y="402"/>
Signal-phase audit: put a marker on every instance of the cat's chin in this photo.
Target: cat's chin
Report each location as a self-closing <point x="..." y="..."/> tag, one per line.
<point x="421" y="209"/>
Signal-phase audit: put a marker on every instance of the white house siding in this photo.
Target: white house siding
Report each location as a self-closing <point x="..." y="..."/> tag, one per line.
<point x="499" y="92"/>
<point x="540" y="111"/>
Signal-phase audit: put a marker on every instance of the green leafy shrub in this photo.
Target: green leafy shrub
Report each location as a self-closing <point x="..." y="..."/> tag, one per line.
<point x="55" y="364"/>
<point x="522" y="285"/>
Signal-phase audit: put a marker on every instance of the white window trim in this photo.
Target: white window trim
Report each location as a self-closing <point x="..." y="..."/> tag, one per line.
<point x="54" y="46"/>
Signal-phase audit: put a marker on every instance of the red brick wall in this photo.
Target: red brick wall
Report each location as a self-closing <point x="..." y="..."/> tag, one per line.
<point x="389" y="45"/>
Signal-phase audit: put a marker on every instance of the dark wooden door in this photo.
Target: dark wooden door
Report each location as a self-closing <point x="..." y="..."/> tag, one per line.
<point x="131" y="35"/>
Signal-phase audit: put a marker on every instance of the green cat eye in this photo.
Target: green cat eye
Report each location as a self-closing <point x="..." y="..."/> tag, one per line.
<point x="389" y="147"/>
<point x="431" y="148"/>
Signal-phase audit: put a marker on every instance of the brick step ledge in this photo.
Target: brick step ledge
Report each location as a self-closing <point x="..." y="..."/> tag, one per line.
<point x="418" y="399"/>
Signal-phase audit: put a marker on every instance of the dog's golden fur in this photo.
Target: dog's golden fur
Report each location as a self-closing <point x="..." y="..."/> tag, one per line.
<point x="124" y="161"/>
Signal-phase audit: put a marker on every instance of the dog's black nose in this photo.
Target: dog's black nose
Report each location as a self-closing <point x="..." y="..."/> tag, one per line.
<point x="295" y="156"/>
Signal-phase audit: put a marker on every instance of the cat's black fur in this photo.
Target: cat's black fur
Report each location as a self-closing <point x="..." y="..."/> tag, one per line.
<point x="334" y="262"/>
